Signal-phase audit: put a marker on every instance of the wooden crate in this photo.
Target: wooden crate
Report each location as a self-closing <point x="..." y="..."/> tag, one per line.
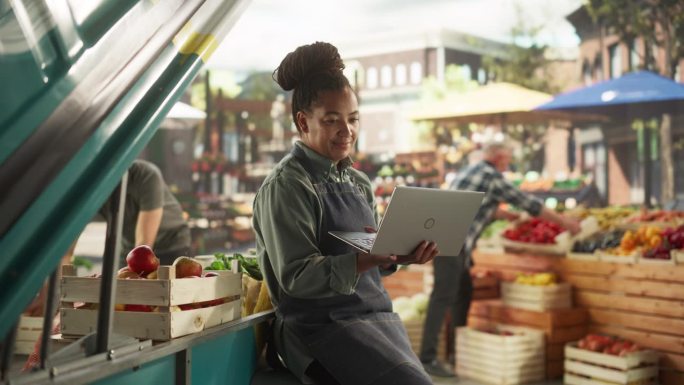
<point x="587" y="367"/>
<point x="409" y="280"/>
<point x="640" y="302"/>
<point x="28" y="333"/>
<point x="583" y="256"/>
<point x="500" y="359"/>
<point x="485" y="287"/>
<point x="414" y="329"/>
<point x="536" y="298"/>
<point x="559" y="327"/>
<point x="165" y="293"/>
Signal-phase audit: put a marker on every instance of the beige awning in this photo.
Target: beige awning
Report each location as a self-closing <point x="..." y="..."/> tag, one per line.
<point x="496" y="103"/>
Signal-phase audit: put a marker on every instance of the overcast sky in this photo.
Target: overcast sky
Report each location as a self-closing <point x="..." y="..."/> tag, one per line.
<point x="269" y="29"/>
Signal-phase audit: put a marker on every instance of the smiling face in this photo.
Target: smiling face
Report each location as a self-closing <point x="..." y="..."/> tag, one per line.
<point x="332" y="125"/>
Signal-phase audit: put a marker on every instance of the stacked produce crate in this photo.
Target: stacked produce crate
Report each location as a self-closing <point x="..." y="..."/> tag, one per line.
<point x="501" y="354"/>
<point x="599" y="359"/>
<point x="158" y="308"/>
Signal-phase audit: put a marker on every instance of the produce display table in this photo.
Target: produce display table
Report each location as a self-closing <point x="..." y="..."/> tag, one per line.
<point x="640" y="302"/>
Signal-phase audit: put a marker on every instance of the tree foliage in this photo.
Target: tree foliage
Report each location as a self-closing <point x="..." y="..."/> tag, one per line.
<point x="526" y="63"/>
<point x="660" y="23"/>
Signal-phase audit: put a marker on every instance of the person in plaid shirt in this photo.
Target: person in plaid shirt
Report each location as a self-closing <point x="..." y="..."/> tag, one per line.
<point x="453" y="287"/>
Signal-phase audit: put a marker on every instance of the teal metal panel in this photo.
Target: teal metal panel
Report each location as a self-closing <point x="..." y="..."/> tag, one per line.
<point x="159" y="372"/>
<point x="229" y="360"/>
<point x="33" y="246"/>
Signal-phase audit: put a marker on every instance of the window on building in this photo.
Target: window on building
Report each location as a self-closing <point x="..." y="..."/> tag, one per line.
<point x="634" y="60"/>
<point x="598" y="68"/>
<point x="615" y="57"/>
<point x="372" y="77"/>
<point x="466" y="72"/>
<point x="386" y="76"/>
<point x="400" y="74"/>
<point x="586" y="73"/>
<point x="481" y="76"/>
<point x="416" y="73"/>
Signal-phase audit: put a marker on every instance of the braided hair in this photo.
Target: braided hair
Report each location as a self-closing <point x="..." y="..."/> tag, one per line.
<point x="309" y="70"/>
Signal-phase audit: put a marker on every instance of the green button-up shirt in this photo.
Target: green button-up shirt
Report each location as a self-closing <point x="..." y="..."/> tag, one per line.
<point x="287" y="216"/>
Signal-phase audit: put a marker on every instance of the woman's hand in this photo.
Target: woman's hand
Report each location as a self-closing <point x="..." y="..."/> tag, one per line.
<point x="365" y="261"/>
<point x="425" y="252"/>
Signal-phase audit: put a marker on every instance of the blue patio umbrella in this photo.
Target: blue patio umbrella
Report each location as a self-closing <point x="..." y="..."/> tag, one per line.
<point x="640" y="94"/>
<point x="643" y="91"/>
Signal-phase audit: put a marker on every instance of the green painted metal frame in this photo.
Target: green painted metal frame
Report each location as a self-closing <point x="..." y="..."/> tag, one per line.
<point x="33" y="247"/>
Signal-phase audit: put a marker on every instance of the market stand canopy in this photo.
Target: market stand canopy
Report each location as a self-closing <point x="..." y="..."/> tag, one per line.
<point x="496" y="103"/>
<point x="642" y="91"/>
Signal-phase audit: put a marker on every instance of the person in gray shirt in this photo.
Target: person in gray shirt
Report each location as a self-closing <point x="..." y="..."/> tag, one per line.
<point x="152" y="215"/>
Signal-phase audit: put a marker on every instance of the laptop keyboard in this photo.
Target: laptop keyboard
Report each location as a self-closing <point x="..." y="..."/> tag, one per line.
<point x="366" y="242"/>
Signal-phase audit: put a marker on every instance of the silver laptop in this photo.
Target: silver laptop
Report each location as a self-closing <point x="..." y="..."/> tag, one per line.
<point x="415" y="214"/>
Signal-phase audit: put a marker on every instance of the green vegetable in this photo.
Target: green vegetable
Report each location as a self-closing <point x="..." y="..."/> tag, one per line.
<point x="82" y="262"/>
<point x="250" y="266"/>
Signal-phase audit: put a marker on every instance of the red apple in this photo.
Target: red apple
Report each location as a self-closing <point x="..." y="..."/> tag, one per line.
<point x="211" y="274"/>
<point x="187" y="267"/>
<point x="133" y="307"/>
<point x="142" y="260"/>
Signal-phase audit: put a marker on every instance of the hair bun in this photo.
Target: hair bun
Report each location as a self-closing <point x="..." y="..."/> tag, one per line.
<point x="305" y="61"/>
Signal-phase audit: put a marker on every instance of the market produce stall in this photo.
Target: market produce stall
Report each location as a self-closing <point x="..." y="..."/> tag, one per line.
<point x="98" y="81"/>
<point x="635" y="301"/>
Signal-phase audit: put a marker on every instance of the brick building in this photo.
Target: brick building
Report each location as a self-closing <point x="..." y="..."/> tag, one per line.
<point x="611" y="151"/>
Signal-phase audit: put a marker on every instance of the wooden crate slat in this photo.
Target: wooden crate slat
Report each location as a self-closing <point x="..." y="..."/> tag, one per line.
<point x="663" y="325"/>
<point x="152" y="325"/>
<point x="28" y="335"/>
<point x="629" y="361"/>
<point x="190" y="290"/>
<point x="491" y="378"/>
<point x="662" y="290"/>
<point x="639" y="271"/>
<point x="485" y="282"/>
<point x="617" y="376"/>
<point x="495" y="309"/>
<point x="132" y="291"/>
<point x="154" y="292"/>
<point x="571" y="379"/>
<point x="671" y="377"/>
<point x="500" y="357"/>
<point x="672" y="361"/>
<point x="592" y="299"/>
<point x="669" y="343"/>
<point x="510" y="367"/>
<point x="522" y="291"/>
<point x="24" y="347"/>
<point x="566" y="334"/>
<point x="192" y="321"/>
<point x="485" y="293"/>
<point x="30" y="323"/>
<point x="522" y="261"/>
<point x="539" y="306"/>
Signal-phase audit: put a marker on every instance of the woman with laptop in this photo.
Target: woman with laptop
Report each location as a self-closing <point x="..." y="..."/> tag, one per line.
<point x="334" y="321"/>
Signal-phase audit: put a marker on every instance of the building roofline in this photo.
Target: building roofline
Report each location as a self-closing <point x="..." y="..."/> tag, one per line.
<point x="406" y="40"/>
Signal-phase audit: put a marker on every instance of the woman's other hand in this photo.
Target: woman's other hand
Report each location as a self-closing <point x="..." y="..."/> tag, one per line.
<point x="424" y="253"/>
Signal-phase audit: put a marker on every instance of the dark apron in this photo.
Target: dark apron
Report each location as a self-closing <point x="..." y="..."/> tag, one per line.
<point x="356" y="338"/>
